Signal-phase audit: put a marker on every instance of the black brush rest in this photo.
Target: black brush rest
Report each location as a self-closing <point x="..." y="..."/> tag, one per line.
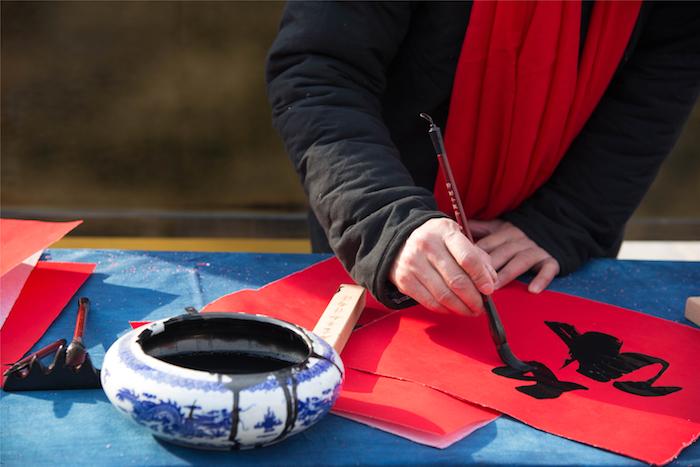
<point x="55" y="376"/>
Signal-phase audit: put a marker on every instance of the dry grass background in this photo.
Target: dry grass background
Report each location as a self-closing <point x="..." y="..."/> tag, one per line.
<point x="162" y="105"/>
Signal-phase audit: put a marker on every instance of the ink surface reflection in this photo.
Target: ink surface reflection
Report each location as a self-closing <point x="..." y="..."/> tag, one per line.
<point x="599" y="358"/>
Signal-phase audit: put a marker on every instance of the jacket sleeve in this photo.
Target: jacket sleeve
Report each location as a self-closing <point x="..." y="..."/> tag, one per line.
<point x="581" y="211"/>
<point x="326" y="74"/>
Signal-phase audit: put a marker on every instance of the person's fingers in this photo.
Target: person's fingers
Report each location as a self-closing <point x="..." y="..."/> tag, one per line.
<point x="520" y="264"/>
<point x="441" y="292"/>
<point x="443" y="277"/>
<point x="506" y="251"/>
<point x="548" y="270"/>
<point x="481" y="229"/>
<point x="506" y="232"/>
<point x="474" y="261"/>
<point x="456" y="279"/>
<point x="403" y="277"/>
<point x="411" y="286"/>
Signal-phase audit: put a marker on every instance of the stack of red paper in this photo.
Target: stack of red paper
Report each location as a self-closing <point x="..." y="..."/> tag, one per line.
<point x="33" y="292"/>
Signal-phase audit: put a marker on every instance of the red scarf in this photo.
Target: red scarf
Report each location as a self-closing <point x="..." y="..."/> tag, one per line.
<point x="521" y="95"/>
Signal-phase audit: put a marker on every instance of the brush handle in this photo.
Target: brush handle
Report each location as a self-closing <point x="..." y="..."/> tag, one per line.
<point x="439" y="146"/>
<point x="83" y="308"/>
<point x="341" y="315"/>
<point x="498" y="333"/>
<point x="39" y="354"/>
<point x="457" y="207"/>
<point x="75" y="352"/>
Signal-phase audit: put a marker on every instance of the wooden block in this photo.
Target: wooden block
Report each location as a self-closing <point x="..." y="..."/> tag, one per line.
<point x="692" y="310"/>
<point x="341" y="315"/>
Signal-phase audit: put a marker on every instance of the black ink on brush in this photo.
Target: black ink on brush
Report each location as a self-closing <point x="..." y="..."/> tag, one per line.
<point x="599" y="358"/>
<point x="498" y="333"/>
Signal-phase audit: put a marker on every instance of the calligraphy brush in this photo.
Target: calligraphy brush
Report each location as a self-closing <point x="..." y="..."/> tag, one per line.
<point x="498" y="333"/>
<point x="75" y="353"/>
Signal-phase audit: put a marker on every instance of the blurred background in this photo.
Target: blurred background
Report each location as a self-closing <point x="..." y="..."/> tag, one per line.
<point x="149" y="119"/>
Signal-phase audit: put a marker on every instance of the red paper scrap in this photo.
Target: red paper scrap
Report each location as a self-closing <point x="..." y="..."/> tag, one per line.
<point x="421" y="413"/>
<point x="19" y="239"/>
<point x="11" y="284"/>
<point x="373" y="400"/>
<point x="456" y="355"/>
<point x="417" y="436"/>
<point x="138" y="324"/>
<point x="47" y="291"/>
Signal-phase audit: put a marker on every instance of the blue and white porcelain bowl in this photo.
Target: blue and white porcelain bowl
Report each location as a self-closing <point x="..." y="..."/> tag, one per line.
<point x="222" y="380"/>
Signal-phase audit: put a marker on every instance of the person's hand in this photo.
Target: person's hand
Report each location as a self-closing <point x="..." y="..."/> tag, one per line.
<point x="442" y="270"/>
<point x="513" y="253"/>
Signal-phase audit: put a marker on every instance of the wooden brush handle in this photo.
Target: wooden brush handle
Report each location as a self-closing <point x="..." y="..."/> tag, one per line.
<point x="692" y="310"/>
<point x="341" y="315"/>
<point x="460" y="215"/>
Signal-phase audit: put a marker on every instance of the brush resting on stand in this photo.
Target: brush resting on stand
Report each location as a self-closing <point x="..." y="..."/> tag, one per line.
<point x="75" y="353"/>
<point x="498" y="333"/>
<point x="70" y="368"/>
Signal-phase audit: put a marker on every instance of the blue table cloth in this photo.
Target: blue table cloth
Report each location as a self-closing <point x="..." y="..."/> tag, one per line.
<point x="80" y="427"/>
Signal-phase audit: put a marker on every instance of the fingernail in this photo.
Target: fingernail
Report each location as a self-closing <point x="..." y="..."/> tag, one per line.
<point x="494" y="274"/>
<point x="535" y="288"/>
<point x="485" y="286"/>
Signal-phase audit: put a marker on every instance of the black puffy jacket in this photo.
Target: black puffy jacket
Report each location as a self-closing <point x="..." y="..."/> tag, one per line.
<point x="346" y="82"/>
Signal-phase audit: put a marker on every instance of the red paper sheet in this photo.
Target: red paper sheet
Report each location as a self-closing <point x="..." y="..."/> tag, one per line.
<point x="19" y="239"/>
<point x="47" y="291"/>
<point x="300" y="297"/>
<point x="440" y="441"/>
<point x="420" y="414"/>
<point x="11" y="284"/>
<point x="372" y="400"/>
<point x="455" y="355"/>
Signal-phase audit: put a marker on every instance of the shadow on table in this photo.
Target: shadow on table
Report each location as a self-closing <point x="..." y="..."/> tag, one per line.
<point x="63" y="400"/>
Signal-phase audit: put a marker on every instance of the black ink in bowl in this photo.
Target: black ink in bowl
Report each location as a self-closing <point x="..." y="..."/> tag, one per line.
<point x="227" y="343"/>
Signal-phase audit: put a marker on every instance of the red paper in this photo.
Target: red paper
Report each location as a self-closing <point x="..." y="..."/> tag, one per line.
<point x="417" y="436"/>
<point x="138" y="324"/>
<point x="421" y="413"/>
<point x="19" y="239"/>
<point x="373" y="400"/>
<point x="11" y="284"/>
<point x="46" y="292"/>
<point x="456" y="355"/>
<point x="300" y="297"/>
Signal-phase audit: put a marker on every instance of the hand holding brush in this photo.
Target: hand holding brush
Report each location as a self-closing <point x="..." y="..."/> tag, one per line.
<point x="496" y="327"/>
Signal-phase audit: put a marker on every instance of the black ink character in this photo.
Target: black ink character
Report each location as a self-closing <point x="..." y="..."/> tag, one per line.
<point x="546" y="386"/>
<point x="599" y="358"/>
